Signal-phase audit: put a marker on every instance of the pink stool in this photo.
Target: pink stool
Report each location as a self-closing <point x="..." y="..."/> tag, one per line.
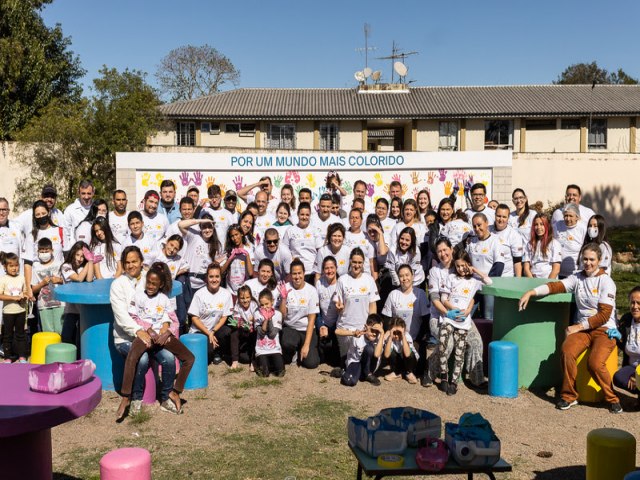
<point x="149" y="395"/>
<point x="126" y="464"/>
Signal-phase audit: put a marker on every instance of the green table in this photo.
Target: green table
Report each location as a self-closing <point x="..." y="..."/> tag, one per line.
<point x="538" y="331"/>
<point x="369" y="465"/>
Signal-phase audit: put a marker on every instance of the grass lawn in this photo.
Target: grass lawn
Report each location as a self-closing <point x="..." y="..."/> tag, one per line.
<point x="624" y="239"/>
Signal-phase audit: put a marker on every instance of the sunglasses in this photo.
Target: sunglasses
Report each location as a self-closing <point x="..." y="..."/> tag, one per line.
<point x="272" y="242"/>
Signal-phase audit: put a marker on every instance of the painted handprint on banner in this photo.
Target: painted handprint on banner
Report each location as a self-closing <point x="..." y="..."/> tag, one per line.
<point x="347" y="187"/>
<point x="223" y="189"/>
<point x="277" y="181"/>
<point x="238" y="182"/>
<point x="461" y="188"/>
<point x="443" y="174"/>
<point x="297" y="189"/>
<point x="415" y="192"/>
<point x="145" y="179"/>
<point x="415" y="177"/>
<point x="184" y="178"/>
<point x="448" y="187"/>
<point x="311" y="181"/>
<point x="431" y="177"/>
<point x="378" y="179"/>
<point x="292" y="178"/>
<point x="370" y="189"/>
<point x="197" y="178"/>
<point x="396" y="178"/>
<point x="405" y="189"/>
<point x="210" y="181"/>
<point x="458" y="175"/>
<point x="159" y="178"/>
<point x="386" y="189"/>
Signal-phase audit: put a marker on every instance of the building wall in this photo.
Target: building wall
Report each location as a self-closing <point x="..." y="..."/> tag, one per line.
<point x="618" y="134"/>
<point x="475" y="134"/>
<point x="350" y="135"/>
<point x="304" y="135"/>
<point x="12" y="171"/>
<point x="557" y="140"/>
<point x="428" y="134"/>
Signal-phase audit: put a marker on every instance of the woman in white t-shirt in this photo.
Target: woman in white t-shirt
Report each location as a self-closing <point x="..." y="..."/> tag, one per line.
<point x="597" y="233"/>
<point x="106" y="250"/>
<point x="405" y="252"/>
<point x="355" y="298"/>
<point x="410" y="218"/>
<point x="382" y="212"/>
<point x="522" y="217"/>
<point x="203" y="248"/>
<point x="423" y="199"/>
<point x="299" y="306"/>
<point x="326" y="286"/>
<point x="209" y="309"/>
<point x="334" y="247"/>
<point x="570" y="232"/>
<point x="266" y="279"/>
<point x="301" y="240"/>
<point x="239" y="265"/>
<point x="542" y="253"/>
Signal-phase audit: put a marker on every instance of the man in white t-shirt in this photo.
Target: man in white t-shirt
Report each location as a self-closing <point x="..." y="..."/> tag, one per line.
<point x="49" y="196"/>
<point x="573" y="194"/>
<point x="511" y="242"/>
<point x="321" y="219"/>
<point x="118" y="216"/>
<point x="273" y="249"/>
<point x="222" y="218"/>
<point x="75" y="213"/>
<point x="359" y="191"/>
<point x="265" y="186"/>
<point x="478" y="193"/>
<point x="155" y="224"/>
<point x="264" y="219"/>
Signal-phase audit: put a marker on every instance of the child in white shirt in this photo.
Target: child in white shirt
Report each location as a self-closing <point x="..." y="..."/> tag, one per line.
<point x="400" y="352"/>
<point x="363" y="353"/>
<point x="268" y="323"/>
<point x="241" y="322"/>
<point x="45" y="276"/>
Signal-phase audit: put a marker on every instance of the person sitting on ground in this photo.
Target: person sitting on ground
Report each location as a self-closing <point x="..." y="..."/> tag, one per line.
<point x="400" y="352"/>
<point x="363" y="353"/>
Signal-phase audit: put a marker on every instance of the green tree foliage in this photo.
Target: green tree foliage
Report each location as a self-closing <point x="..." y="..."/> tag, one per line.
<point x="35" y="64"/>
<point x="587" y="73"/>
<point x="74" y="140"/>
<point x="189" y="72"/>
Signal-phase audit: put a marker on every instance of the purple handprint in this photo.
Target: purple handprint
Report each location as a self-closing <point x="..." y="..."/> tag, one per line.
<point x="443" y="174"/>
<point x="184" y="178"/>
<point x="238" y="183"/>
<point x="370" y="189"/>
<point x="197" y="178"/>
<point x="395" y="178"/>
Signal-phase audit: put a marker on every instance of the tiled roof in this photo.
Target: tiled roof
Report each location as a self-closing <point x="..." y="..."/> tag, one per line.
<point x="416" y="103"/>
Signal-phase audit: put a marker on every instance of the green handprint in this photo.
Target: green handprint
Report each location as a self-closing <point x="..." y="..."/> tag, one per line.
<point x="347" y="186"/>
<point x="277" y="181"/>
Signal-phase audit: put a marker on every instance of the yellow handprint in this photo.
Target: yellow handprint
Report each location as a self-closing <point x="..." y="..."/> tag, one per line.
<point x="311" y="181"/>
<point x="415" y="177"/>
<point x="448" y="187"/>
<point x="378" y="179"/>
<point x="223" y="189"/>
<point x="404" y="188"/>
<point x="461" y="189"/>
<point x="145" y="179"/>
<point x="485" y="183"/>
<point x="210" y="181"/>
<point x="159" y="178"/>
<point x="386" y="189"/>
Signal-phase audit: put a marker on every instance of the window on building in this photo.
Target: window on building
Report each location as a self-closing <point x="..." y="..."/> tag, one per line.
<point x="598" y="133"/>
<point x="448" y="139"/>
<point x="329" y="136"/>
<point x="205" y="127"/>
<point x="541" y="124"/>
<point x="186" y="134"/>
<point x="281" y="136"/>
<point x="231" y="128"/>
<point x="247" y="129"/>
<point x="498" y="134"/>
<point x="570" y="124"/>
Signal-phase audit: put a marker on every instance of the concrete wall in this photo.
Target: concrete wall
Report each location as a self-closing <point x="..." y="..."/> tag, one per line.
<point x="618" y="135"/>
<point x="350" y="135"/>
<point x="550" y="141"/>
<point x="428" y="135"/>
<point x="12" y="171"/>
<point x="609" y="182"/>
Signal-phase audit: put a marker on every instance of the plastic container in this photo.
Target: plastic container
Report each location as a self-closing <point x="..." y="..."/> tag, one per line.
<point x="199" y="375"/>
<point x="503" y="369"/>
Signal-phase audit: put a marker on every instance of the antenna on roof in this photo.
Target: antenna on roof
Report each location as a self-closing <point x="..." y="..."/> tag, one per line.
<point x="396" y="54"/>
<point x="367" y="31"/>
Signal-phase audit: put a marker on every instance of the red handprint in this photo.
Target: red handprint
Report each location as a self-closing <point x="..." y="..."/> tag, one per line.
<point x="396" y="178"/>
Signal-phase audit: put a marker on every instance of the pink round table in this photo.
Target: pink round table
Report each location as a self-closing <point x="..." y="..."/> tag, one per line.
<point x="26" y="419"/>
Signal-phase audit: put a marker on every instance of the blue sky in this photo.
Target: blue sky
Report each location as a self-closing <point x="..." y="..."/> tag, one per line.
<point x="313" y="44"/>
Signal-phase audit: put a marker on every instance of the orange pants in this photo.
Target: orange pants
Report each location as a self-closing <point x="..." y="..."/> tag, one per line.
<point x="601" y="348"/>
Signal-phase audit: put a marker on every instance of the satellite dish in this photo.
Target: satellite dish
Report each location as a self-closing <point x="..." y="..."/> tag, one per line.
<point x="359" y="76"/>
<point x="376" y="75"/>
<point x="400" y="68"/>
<point x="367" y="72"/>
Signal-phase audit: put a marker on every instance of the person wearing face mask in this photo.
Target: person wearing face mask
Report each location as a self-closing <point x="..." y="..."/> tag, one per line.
<point x="597" y="233"/>
<point x="45" y="276"/>
<point x="49" y="195"/>
<point x="570" y="232"/>
<point x="595" y="297"/>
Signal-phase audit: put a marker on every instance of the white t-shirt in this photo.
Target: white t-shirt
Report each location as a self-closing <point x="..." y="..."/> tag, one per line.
<point x="396" y="345"/>
<point x="525" y="229"/>
<point x="387" y="228"/>
<point x="147" y="244"/>
<point x="342" y="259"/>
<point x="541" y="265"/>
<point x="411" y="307"/>
<point x="245" y="318"/>
<point x="632" y="347"/>
<point x="39" y="273"/>
<point x="11" y="238"/>
<point x="489" y="213"/>
<point x="356" y="294"/>
<point x="419" y="228"/>
<point x="302" y="244"/>
<point x="300" y="304"/>
<point x="456" y="231"/>
<point x="176" y="263"/>
<point x="197" y="256"/>
<point x="262" y="223"/>
<point x="54" y="234"/>
<point x="512" y="247"/>
<point x="355" y="347"/>
<point x="222" y="219"/>
<point x="153" y="310"/>
<point x="484" y="253"/>
<point x="460" y="291"/>
<point x="438" y="276"/>
<point x="328" y="309"/>
<point x="585" y="214"/>
<point x="281" y="259"/>
<point x="108" y="269"/>
<point x="210" y="307"/>
<point x="397" y="258"/>
<point x="571" y="242"/>
<point x="256" y="287"/>
<point x="588" y="293"/>
<point x="353" y="240"/>
<point x="82" y="232"/>
<point x="154" y="226"/>
<point x="320" y="226"/>
<point x="264" y="344"/>
<point x="119" y="226"/>
<point x="236" y="273"/>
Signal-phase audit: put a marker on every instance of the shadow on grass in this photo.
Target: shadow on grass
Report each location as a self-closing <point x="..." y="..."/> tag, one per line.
<point x="575" y="472"/>
<point x="64" y="476"/>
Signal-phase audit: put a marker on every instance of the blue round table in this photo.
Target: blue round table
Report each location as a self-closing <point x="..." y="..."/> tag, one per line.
<point x="96" y="326"/>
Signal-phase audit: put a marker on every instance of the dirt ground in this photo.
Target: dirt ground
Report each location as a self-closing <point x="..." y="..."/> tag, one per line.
<point x="538" y="440"/>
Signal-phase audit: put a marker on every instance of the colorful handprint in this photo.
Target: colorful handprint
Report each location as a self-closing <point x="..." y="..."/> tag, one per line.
<point x="277" y="181"/>
<point x="431" y="177"/>
<point x="448" y="187"/>
<point x="415" y="192"/>
<point x="159" y="178"/>
<point x="238" y="182"/>
<point x="297" y="189"/>
<point x="210" y="181"/>
<point x="415" y="177"/>
<point x="405" y="188"/>
<point x="347" y="187"/>
<point x="386" y="189"/>
<point x="197" y="178"/>
<point x="396" y="178"/>
<point x="461" y="188"/>
<point x="370" y="189"/>
<point x="458" y="175"/>
<point x="184" y="178"/>
<point x="292" y="177"/>
<point x="443" y="174"/>
<point x="145" y="179"/>
<point x="378" y="179"/>
<point x="311" y="181"/>
<point x="223" y="189"/>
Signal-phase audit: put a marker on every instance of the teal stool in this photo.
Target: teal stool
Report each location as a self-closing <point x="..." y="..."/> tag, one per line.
<point x="61" y="352"/>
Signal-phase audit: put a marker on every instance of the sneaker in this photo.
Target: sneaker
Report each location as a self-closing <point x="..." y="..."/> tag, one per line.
<point x="22" y="360"/>
<point x="564" y="405"/>
<point x="135" y="407"/>
<point x="443" y="386"/>
<point x="169" y="406"/>
<point x="373" y="380"/>
<point x="452" y="389"/>
<point x="390" y="377"/>
<point x="336" y="372"/>
<point x="615" y="407"/>
<point x="279" y="374"/>
<point x="426" y="380"/>
<point x="411" y="378"/>
<point x="7" y="360"/>
<point x="217" y="359"/>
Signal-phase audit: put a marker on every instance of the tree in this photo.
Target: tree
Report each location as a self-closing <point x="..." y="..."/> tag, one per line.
<point x="587" y="73"/>
<point x="75" y="140"/>
<point x="35" y="64"/>
<point x="189" y="72"/>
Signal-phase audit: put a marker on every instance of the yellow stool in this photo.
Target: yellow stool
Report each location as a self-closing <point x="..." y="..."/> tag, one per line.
<point x="638" y="377"/>
<point x="588" y="390"/>
<point x="611" y="454"/>
<point x="39" y="344"/>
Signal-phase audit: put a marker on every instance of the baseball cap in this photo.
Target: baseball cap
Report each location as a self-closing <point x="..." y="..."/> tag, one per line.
<point x="230" y="193"/>
<point x="49" y="191"/>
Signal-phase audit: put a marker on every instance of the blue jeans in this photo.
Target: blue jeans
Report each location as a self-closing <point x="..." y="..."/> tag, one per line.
<point x="163" y="358"/>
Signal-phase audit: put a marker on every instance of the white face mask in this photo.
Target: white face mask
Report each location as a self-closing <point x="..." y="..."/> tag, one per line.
<point x="45" y="257"/>
<point x="593" y="232"/>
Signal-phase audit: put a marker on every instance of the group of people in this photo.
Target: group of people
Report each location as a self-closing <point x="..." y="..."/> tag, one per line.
<point x="274" y="280"/>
